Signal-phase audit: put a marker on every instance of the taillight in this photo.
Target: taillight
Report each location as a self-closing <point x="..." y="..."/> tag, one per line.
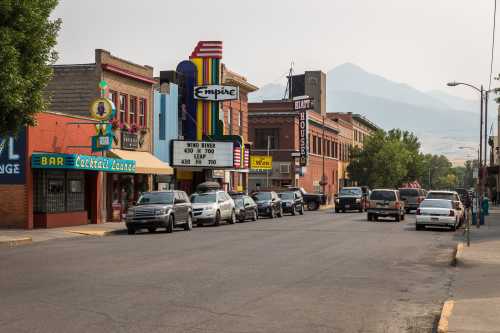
<point x="452" y="213"/>
<point x="418" y="212"/>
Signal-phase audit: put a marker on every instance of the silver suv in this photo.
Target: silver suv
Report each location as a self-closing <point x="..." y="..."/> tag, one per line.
<point x="213" y="207"/>
<point x="160" y="209"/>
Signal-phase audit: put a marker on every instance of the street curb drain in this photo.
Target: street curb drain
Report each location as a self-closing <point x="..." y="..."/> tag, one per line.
<point x="445" y="316"/>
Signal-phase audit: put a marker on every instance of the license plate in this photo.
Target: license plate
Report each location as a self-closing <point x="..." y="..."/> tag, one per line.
<point x="347" y="206"/>
<point x="434" y="218"/>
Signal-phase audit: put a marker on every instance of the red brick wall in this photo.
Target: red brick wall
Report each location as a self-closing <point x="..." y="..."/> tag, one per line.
<point x="13" y="207"/>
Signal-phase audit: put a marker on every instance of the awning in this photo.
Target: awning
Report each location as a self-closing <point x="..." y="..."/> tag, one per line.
<point x="144" y="162"/>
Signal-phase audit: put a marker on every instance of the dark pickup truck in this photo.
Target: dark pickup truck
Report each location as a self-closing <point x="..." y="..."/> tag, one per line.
<point x="311" y="200"/>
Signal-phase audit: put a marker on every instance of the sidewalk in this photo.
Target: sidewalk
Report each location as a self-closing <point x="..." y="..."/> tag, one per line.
<point x="13" y="237"/>
<point x="476" y="290"/>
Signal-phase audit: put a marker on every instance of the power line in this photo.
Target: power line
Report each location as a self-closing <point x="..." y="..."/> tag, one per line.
<point x="493" y="42"/>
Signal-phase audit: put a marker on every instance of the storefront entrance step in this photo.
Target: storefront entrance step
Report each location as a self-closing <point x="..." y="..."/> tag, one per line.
<point x="14" y="241"/>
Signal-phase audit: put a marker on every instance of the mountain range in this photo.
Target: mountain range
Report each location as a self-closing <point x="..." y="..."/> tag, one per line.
<point x="442" y="121"/>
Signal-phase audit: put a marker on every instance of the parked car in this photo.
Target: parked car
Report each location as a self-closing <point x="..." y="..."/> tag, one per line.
<point x="268" y="203"/>
<point x="412" y="197"/>
<point x="465" y="197"/>
<point x="292" y="202"/>
<point x="351" y="198"/>
<point x="213" y="207"/>
<point x="160" y="209"/>
<point x="453" y="197"/>
<point x="437" y="213"/>
<point x="386" y="203"/>
<point x="311" y="200"/>
<point x="245" y="207"/>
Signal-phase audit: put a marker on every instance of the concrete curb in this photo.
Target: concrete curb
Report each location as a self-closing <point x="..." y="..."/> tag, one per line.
<point x="457" y="255"/>
<point x="95" y="232"/>
<point x="445" y="316"/>
<point x="16" y="241"/>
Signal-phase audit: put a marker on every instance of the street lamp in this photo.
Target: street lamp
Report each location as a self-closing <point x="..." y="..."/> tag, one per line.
<point x="484" y="97"/>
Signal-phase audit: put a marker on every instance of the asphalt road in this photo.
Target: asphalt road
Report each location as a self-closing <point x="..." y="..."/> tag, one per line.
<point x="321" y="272"/>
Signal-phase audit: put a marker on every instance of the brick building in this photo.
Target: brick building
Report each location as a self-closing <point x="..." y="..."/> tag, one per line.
<point x="354" y="129"/>
<point x="51" y="185"/>
<point x="235" y="118"/>
<point x="274" y="124"/>
<point x="130" y="87"/>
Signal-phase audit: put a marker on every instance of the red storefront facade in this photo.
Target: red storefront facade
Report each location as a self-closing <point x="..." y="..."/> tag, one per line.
<point x="24" y="205"/>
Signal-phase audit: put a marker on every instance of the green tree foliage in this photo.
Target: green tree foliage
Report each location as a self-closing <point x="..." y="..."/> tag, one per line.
<point x="390" y="159"/>
<point x="27" y="41"/>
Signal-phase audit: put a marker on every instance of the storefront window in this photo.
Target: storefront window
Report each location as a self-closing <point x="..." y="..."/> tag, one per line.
<point x="123" y="108"/>
<point x="57" y="191"/>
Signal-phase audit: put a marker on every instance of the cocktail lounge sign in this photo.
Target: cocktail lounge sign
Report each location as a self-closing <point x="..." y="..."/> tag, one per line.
<point x="12" y="159"/>
<point x="216" y="93"/>
<point x="81" y="162"/>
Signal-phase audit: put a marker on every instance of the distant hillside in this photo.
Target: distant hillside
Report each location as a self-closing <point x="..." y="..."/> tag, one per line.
<point x="443" y="121"/>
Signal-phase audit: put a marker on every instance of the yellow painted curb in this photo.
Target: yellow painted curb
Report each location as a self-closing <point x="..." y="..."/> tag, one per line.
<point x="457" y="256"/>
<point x="16" y="241"/>
<point x="325" y="207"/>
<point x="89" y="232"/>
<point x="445" y="316"/>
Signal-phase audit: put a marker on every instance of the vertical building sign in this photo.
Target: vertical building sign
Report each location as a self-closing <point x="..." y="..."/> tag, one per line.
<point x="303" y="137"/>
<point x="301" y="104"/>
<point x="13" y="159"/>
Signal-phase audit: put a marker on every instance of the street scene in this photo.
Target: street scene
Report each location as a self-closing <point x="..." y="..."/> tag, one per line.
<point x="249" y="166"/>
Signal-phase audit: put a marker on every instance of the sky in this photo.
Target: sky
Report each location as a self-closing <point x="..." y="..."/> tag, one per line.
<point x="423" y="43"/>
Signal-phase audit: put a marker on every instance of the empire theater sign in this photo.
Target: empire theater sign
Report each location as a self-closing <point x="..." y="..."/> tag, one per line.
<point x="216" y="93"/>
<point x="202" y="154"/>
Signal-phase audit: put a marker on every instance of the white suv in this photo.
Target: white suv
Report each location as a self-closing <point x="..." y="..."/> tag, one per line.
<point x="213" y="207"/>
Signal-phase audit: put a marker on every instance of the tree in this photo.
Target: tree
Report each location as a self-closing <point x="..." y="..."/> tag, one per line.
<point x="27" y="41"/>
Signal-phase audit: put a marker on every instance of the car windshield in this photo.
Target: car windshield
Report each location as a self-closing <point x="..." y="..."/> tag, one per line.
<point x="440" y="195"/>
<point x="408" y="192"/>
<point x="383" y="195"/>
<point x="436" y="203"/>
<point x="286" y="195"/>
<point x="262" y="196"/>
<point x="156" y="198"/>
<point x="238" y="202"/>
<point x="204" y="198"/>
<point x="350" y="191"/>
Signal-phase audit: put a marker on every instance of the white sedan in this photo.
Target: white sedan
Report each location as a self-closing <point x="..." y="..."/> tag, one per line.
<point x="437" y="213"/>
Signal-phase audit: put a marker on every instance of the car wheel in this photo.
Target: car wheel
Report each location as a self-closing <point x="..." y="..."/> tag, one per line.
<point x="189" y="223"/>
<point x="255" y="216"/>
<point x="151" y="229"/>
<point x="419" y="227"/>
<point x="369" y="217"/>
<point x="217" y="218"/>
<point x="375" y="217"/>
<point x="301" y="212"/>
<point x="312" y="205"/>
<point x="280" y="213"/>
<point x="130" y="231"/>
<point x="403" y="217"/>
<point x="170" y="224"/>
<point x="407" y="211"/>
<point x="232" y="219"/>
<point x="397" y="218"/>
<point x="337" y="210"/>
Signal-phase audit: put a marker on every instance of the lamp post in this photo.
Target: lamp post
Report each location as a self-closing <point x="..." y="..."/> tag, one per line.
<point x="481" y="177"/>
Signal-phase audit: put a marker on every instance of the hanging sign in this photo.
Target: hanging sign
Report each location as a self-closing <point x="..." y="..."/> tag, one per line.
<point x="130" y="141"/>
<point x="261" y="162"/>
<point x="102" y="109"/>
<point x="303" y="103"/>
<point x="303" y="134"/>
<point x="216" y="93"/>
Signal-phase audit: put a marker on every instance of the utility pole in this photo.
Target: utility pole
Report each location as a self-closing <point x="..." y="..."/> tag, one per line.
<point x="480" y="170"/>
<point x="267" y="171"/>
